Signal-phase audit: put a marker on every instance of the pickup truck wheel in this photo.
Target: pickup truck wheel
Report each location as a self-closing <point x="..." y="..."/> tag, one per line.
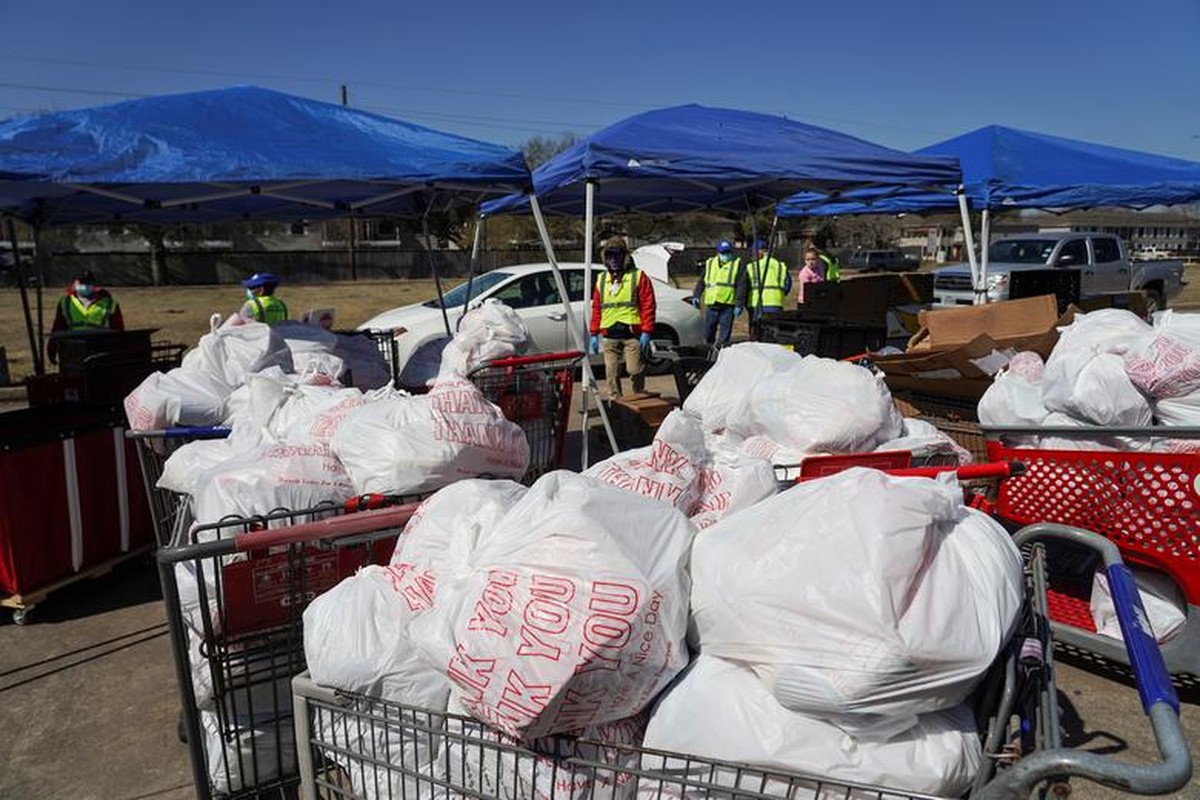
<point x="1155" y="301"/>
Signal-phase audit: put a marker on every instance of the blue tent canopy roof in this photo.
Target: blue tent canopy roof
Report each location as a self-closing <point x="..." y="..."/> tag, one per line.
<point x="1008" y="168"/>
<point x="241" y="152"/>
<point x="692" y="157"/>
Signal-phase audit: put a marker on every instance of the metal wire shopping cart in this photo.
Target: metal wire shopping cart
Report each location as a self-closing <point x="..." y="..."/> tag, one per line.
<point x="1147" y="503"/>
<point x="154" y="447"/>
<point x="353" y="746"/>
<point x="535" y="393"/>
<point x="235" y="593"/>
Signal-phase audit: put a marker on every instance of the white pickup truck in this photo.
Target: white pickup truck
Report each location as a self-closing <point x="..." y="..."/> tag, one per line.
<point x="1104" y="264"/>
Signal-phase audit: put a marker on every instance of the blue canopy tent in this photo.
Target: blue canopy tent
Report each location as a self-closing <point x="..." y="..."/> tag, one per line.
<point x="238" y="153"/>
<point x="241" y="153"/>
<point x="1004" y="168"/>
<point x="693" y="158"/>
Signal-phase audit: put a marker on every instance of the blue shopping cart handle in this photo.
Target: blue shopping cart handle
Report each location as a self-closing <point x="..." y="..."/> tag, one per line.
<point x="196" y="432"/>
<point x="1153" y="681"/>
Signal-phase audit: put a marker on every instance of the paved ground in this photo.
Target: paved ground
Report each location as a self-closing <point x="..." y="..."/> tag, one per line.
<point x="88" y="704"/>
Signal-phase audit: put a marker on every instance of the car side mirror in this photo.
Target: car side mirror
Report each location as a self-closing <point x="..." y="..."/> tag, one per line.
<point x="1065" y="260"/>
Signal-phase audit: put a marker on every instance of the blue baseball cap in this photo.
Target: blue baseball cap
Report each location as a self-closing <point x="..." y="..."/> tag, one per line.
<point x="260" y="279"/>
<point x="760" y="244"/>
<point x="724" y="246"/>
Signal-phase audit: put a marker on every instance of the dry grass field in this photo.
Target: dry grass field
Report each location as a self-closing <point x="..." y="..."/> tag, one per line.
<point x="181" y="313"/>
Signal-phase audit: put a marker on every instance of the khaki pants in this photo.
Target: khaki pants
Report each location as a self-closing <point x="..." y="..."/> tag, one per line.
<point x="613" y="350"/>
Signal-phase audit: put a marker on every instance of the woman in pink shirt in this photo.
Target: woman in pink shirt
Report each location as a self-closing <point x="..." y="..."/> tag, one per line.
<point x="813" y="271"/>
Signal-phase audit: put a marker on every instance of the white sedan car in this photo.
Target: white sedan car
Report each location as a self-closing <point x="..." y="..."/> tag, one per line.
<point x="529" y="289"/>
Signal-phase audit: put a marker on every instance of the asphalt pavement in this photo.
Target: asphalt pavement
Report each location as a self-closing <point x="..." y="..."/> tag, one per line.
<point x="88" y="701"/>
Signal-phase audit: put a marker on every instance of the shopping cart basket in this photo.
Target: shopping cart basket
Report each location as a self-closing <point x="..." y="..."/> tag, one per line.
<point x="235" y="593"/>
<point x="352" y="745"/>
<point x="1146" y="503"/>
<point x="535" y="393"/>
<point x="154" y="447"/>
<point x="385" y="342"/>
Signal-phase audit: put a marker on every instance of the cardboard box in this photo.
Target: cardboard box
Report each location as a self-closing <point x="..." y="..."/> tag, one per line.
<point x="866" y="299"/>
<point x="1008" y="322"/>
<point x="636" y="418"/>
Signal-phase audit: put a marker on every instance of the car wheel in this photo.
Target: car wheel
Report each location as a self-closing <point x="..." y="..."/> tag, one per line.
<point x="659" y="360"/>
<point x="1155" y="300"/>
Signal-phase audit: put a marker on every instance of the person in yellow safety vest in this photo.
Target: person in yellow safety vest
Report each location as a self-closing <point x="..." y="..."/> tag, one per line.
<point x="623" y="310"/>
<point x="833" y="270"/>
<point x="261" y="303"/>
<point x="723" y="290"/>
<point x="84" y="306"/>
<point x="769" y="283"/>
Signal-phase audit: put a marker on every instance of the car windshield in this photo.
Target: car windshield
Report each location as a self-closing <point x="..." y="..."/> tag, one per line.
<point x="458" y="295"/>
<point x="1021" y="251"/>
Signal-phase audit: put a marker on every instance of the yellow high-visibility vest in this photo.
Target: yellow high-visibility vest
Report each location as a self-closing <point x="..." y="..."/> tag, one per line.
<point x="269" y="309"/>
<point x="767" y="279"/>
<point x="621" y="305"/>
<point x="720" y="281"/>
<point x="95" y="315"/>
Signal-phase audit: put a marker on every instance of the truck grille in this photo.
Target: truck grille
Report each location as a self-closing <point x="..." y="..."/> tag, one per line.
<point x="953" y="282"/>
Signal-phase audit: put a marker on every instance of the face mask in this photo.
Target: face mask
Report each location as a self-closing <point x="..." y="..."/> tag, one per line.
<point x="84" y="290"/>
<point x="614" y="261"/>
<point x="249" y="294"/>
<point x="725" y="257"/>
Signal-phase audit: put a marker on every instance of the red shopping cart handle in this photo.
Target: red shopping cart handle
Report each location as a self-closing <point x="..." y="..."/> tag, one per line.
<point x="332" y="528"/>
<point x="995" y="469"/>
<point x="521" y="361"/>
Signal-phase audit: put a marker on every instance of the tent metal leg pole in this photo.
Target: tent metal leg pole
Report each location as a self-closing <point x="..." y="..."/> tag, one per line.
<point x="437" y="278"/>
<point x="572" y="326"/>
<point x="588" y="233"/>
<point x="39" y="367"/>
<point x="969" y="238"/>
<point x="985" y="235"/>
<point x="480" y="221"/>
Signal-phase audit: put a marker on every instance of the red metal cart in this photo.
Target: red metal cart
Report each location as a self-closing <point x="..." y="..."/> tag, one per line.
<point x="235" y="593"/>
<point x="1146" y="503"/>
<point x="535" y="393"/>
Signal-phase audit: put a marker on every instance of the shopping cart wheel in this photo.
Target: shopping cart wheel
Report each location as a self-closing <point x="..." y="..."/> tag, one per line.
<point x="21" y="615"/>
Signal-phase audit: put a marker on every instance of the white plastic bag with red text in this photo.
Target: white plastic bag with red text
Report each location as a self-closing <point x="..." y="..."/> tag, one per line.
<point x="413" y="444"/>
<point x="667" y="470"/>
<point x="573" y="614"/>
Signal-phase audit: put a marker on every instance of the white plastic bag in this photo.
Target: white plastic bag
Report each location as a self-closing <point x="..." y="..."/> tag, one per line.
<point x="720" y="710"/>
<point x="1094" y="388"/>
<point x="178" y="397"/>
<point x="1160" y="599"/>
<point x="1014" y="399"/>
<point x="832" y="590"/>
<point x="259" y="481"/>
<point x="231" y="352"/>
<point x="490" y="331"/>
<point x="574" y="611"/>
<point x="729" y="481"/>
<point x="737" y="372"/>
<point x="667" y="470"/>
<point x="1167" y="363"/>
<point x="818" y="405"/>
<point x="406" y="445"/>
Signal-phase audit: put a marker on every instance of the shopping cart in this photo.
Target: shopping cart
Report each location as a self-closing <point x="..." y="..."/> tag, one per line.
<point x="235" y="592"/>
<point x="352" y="745"/>
<point x="385" y="342"/>
<point x="153" y="449"/>
<point x="1146" y="503"/>
<point x="535" y="393"/>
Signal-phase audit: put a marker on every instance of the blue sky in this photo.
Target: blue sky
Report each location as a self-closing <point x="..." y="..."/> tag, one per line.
<point x="900" y="74"/>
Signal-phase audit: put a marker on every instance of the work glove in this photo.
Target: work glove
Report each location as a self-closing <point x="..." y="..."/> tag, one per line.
<point x="594" y="344"/>
<point x="737" y="311"/>
<point x="695" y="301"/>
<point x="644" y="341"/>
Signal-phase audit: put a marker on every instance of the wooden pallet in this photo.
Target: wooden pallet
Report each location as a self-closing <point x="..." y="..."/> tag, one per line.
<point x="23" y="603"/>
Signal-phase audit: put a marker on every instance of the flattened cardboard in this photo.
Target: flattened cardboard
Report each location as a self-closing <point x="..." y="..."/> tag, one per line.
<point x="1006" y="321"/>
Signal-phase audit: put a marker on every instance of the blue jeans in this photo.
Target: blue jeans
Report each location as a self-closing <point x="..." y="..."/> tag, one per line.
<point x="718" y="316"/>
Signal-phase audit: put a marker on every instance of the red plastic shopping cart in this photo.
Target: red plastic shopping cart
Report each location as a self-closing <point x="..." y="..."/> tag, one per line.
<point x="235" y="592"/>
<point x="535" y="393"/>
<point x="1146" y="502"/>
